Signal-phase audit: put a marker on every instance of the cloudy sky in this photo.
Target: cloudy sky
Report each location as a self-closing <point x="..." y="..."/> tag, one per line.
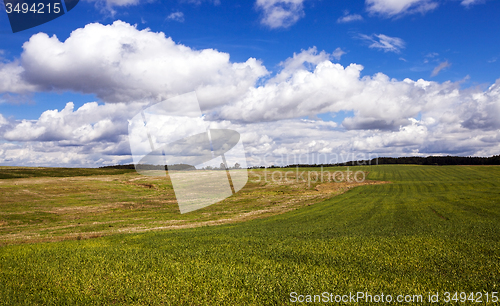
<point x="331" y="78"/>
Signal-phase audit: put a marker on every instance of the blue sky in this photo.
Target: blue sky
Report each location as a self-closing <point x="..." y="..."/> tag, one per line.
<point x="394" y="78"/>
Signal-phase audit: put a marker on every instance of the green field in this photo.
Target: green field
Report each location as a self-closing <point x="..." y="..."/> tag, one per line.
<point x="432" y="229"/>
<point x="49" y="204"/>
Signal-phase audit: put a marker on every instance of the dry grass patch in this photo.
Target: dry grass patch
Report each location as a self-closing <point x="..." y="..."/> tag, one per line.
<point x="60" y="208"/>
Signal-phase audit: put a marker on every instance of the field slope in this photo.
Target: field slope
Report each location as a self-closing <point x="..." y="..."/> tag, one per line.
<point x="433" y="229"/>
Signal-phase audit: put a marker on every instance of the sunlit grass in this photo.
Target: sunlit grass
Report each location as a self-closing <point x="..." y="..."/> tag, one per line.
<point x="432" y="229"/>
<point x="48" y="207"/>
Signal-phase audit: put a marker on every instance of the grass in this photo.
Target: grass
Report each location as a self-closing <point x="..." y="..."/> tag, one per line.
<point x="47" y="208"/>
<point x="27" y="172"/>
<point x="433" y="229"/>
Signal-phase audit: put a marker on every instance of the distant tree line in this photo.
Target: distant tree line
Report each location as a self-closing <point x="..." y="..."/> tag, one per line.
<point x="169" y="167"/>
<point x="128" y="166"/>
<point x="441" y="160"/>
<point x="412" y="160"/>
<point x="222" y="167"/>
<point x="151" y="167"/>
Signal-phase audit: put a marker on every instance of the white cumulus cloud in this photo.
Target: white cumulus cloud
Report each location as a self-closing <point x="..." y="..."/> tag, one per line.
<point x="391" y="8"/>
<point x="198" y="2"/>
<point x="12" y="79"/>
<point x="108" y="7"/>
<point x="440" y="67"/>
<point x="280" y="13"/>
<point x="89" y="123"/>
<point x="349" y="18"/>
<point x="176" y="16"/>
<point x="337" y="53"/>
<point x="378" y="101"/>
<point x="384" y="42"/>
<point x="471" y="2"/>
<point x="120" y="63"/>
<point x="3" y="121"/>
